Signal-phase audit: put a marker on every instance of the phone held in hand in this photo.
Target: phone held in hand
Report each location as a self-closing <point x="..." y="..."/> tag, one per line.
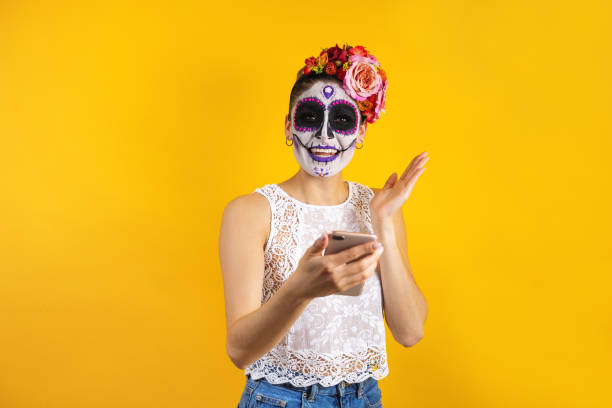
<point x="339" y="241"/>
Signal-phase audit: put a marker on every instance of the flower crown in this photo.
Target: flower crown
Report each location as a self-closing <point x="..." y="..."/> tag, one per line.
<point x="363" y="78"/>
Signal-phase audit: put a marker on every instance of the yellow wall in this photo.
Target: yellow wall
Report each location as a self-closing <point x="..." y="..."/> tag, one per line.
<point x="125" y="129"/>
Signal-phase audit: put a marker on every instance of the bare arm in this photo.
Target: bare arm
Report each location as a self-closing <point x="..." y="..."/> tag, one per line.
<point x="404" y="305"/>
<point x="252" y="329"/>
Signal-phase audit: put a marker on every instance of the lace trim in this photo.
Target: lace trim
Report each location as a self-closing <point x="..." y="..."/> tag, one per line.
<point x="302" y="369"/>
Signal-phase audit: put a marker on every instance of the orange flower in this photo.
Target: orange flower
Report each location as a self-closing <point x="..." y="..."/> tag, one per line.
<point x="322" y="61"/>
<point x="383" y="74"/>
<point x="364" y="105"/>
<point x="330" y="68"/>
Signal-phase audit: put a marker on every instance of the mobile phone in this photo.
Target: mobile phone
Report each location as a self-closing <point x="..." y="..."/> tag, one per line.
<point x="339" y="241"/>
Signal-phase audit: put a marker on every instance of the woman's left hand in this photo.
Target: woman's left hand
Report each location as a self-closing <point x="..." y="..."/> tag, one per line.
<point x="395" y="192"/>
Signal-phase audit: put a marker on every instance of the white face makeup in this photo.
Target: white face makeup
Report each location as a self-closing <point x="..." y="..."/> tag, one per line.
<point x="324" y="128"/>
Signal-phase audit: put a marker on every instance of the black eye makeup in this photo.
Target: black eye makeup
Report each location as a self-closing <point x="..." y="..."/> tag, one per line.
<point x="308" y="115"/>
<point x="343" y="117"/>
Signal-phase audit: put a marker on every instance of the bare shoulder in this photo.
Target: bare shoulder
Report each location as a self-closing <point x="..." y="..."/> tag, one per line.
<point x="248" y="216"/>
<point x="243" y="233"/>
<point x="247" y="203"/>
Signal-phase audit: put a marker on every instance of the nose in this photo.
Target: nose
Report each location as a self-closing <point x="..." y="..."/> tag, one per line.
<point x="330" y="133"/>
<point x="325" y="132"/>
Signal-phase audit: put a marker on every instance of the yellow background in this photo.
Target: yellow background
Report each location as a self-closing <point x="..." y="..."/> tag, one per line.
<point x="127" y="126"/>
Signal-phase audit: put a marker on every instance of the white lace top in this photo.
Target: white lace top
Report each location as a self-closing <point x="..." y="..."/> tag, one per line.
<point x="337" y="337"/>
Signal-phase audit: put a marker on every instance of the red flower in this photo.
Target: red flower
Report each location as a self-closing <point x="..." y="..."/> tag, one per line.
<point x="372" y="98"/>
<point x="358" y="50"/>
<point x="370" y="117"/>
<point x="330" y="68"/>
<point x="340" y="73"/>
<point x="334" y="52"/>
<point x="343" y="56"/>
<point x="312" y="61"/>
<point x="307" y="69"/>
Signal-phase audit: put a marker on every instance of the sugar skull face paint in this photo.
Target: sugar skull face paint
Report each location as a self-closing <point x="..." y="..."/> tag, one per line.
<point x="324" y="126"/>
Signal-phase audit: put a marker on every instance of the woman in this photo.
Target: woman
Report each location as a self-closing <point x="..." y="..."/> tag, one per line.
<point x="300" y="343"/>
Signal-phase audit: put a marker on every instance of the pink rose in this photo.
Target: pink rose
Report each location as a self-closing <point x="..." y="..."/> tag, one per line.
<point x="361" y="80"/>
<point x="370" y="58"/>
<point x="381" y="100"/>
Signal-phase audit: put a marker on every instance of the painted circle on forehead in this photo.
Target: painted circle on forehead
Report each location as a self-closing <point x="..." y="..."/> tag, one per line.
<point x="328" y="91"/>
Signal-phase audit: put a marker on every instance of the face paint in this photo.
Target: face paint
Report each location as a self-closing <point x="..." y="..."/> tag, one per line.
<point x="324" y="125"/>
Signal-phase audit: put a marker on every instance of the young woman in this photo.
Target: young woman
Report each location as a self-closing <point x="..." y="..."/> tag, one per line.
<point x="300" y="342"/>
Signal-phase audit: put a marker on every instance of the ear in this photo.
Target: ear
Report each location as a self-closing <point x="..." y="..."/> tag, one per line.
<point x="362" y="132"/>
<point x="288" y="134"/>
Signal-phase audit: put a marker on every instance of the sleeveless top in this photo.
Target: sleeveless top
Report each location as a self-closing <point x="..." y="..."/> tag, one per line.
<point x="337" y="337"/>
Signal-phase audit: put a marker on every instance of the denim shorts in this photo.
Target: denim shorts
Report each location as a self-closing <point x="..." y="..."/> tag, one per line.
<point x="262" y="394"/>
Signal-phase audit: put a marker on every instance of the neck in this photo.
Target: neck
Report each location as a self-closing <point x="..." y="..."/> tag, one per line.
<point x="316" y="190"/>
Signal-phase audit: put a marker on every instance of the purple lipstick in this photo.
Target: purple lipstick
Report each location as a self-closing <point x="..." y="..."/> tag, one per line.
<point x="323" y="153"/>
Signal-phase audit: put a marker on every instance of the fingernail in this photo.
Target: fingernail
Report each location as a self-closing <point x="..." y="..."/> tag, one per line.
<point x="376" y="245"/>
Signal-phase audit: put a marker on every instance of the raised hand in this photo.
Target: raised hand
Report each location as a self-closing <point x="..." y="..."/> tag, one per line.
<point x="396" y="191"/>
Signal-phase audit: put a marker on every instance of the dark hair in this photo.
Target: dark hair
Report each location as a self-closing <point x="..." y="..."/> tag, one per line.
<point x="306" y="81"/>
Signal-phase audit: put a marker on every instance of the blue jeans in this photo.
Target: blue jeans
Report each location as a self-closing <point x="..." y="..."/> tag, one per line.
<point x="262" y="394"/>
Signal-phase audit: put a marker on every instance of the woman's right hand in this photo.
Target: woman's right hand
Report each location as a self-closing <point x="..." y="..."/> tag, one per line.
<point x="317" y="275"/>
